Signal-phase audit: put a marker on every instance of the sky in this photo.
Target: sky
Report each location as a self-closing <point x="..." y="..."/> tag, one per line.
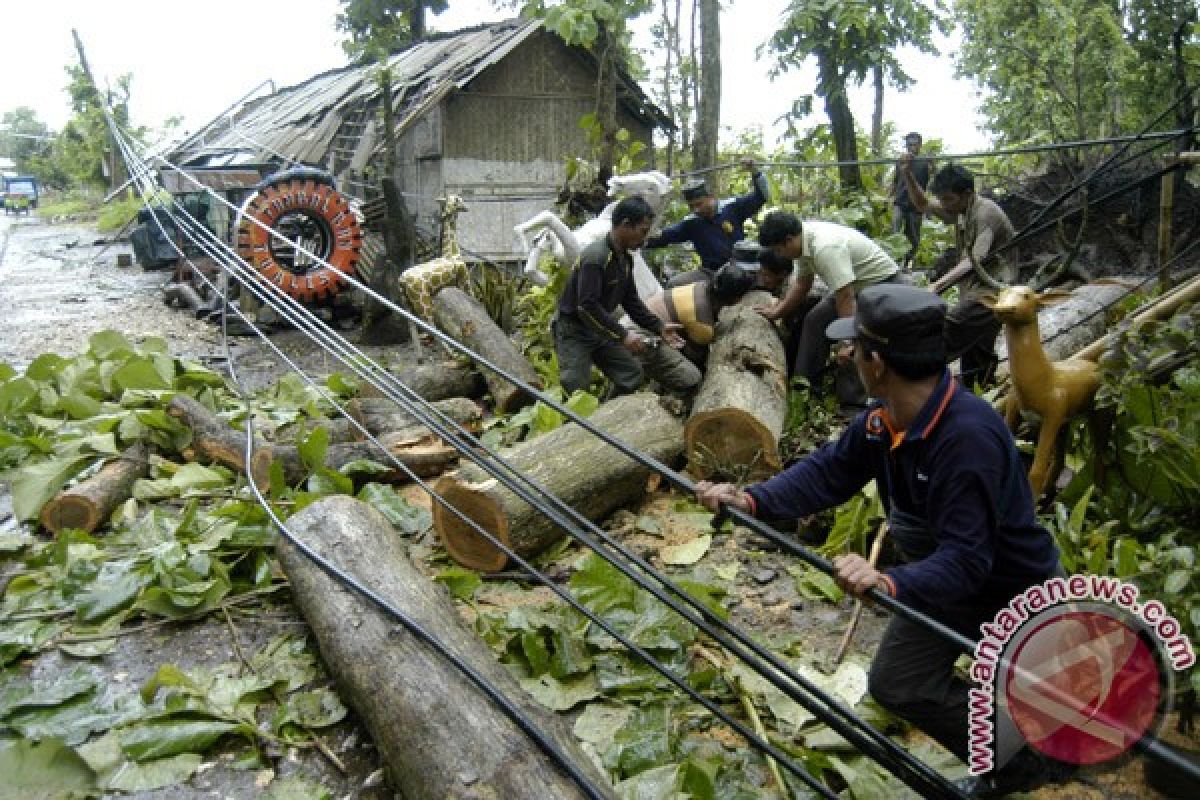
<point x="196" y="59"/>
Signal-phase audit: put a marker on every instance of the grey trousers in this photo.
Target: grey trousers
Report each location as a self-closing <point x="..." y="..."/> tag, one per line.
<point x="970" y="332"/>
<point x="671" y="368"/>
<point x="579" y="347"/>
<point x="908" y="221"/>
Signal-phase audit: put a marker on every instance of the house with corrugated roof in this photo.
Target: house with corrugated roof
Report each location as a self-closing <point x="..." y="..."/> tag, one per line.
<point x="489" y="113"/>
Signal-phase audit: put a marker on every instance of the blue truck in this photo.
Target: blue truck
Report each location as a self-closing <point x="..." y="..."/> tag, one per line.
<point x="19" y="193"/>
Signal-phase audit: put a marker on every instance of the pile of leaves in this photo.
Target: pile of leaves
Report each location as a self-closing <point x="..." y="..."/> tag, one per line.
<point x="191" y="543"/>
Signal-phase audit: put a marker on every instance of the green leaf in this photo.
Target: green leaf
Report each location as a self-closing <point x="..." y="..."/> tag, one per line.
<point x="1125" y="557"/>
<point x="688" y="552"/>
<point x="111" y="593"/>
<point x="813" y="584"/>
<point x="644" y="741"/>
<point x="1177" y="581"/>
<point x="296" y="788"/>
<point x="583" y="403"/>
<point x="154" y="739"/>
<point x="599" y="586"/>
<point x="652" y="784"/>
<point x="403" y="515"/>
<point x="47" y="770"/>
<point x="107" y="345"/>
<point x="30" y="694"/>
<point x="313" y="448"/>
<point x="143" y="372"/>
<point x="559" y="695"/>
<point x="461" y="582"/>
<point x="318" y="708"/>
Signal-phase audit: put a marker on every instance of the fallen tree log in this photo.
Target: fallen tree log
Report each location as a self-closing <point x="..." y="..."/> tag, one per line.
<point x="380" y="415"/>
<point x="439" y="735"/>
<point x="383" y="415"/>
<point x="739" y="410"/>
<point x="425" y="455"/>
<point x="570" y="462"/>
<point x="436" y="381"/>
<point x="216" y="441"/>
<point x="467" y="322"/>
<point x="1078" y="321"/>
<point x="87" y="504"/>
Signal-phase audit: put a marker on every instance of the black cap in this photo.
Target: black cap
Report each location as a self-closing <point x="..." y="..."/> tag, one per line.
<point x="896" y="317"/>
<point x="694" y="190"/>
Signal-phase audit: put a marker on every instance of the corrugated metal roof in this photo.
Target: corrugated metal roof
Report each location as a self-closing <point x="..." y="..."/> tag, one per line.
<point x="300" y="123"/>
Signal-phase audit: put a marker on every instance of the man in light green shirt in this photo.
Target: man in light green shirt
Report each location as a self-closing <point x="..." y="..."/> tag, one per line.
<point x="846" y="261"/>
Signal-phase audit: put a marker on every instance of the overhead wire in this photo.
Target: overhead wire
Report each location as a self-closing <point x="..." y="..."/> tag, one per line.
<point x="545" y="580"/>
<point x="749" y="522"/>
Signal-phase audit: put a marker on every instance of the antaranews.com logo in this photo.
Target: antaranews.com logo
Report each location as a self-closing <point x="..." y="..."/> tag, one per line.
<point x="1076" y="668"/>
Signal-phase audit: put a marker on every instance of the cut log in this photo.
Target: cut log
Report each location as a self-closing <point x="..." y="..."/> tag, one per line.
<point x="739" y="410"/>
<point x="216" y="441"/>
<point x="467" y="322"/>
<point x="437" y="381"/>
<point x="425" y="455"/>
<point x="440" y="736"/>
<point x="382" y="415"/>
<point x="87" y="504"/>
<point x="573" y="464"/>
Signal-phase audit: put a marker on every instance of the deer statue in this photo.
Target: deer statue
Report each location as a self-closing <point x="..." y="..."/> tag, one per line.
<point x="546" y="233"/>
<point x="1056" y="390"/>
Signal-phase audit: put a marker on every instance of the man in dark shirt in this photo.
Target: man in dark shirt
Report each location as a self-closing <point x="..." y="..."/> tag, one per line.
<point x="906" y="217"/>
<point x="960" y="509"/>
<point x="713" y="227"/>
<point x="586" y="331"/>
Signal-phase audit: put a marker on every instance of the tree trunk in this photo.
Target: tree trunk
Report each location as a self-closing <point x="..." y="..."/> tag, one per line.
<point x="572" y="464"/>
<point x="216" y="441"/>
<point x="606" y="103"/>
<point x="877" y="112"/>
<point x="425" y="455"/>
<point x="437" y="381"/>
<point x="380" y="325"/>
<point x="384" y="415"/>
<point x="739" y="410"/>
<point x="439" y="735"/>
<point x="841" y="122"/>
<point x="708" y="112"/>
<point x="88" y="504"/>
<point x="380" y="415"/>
<point x="466" y="321"/>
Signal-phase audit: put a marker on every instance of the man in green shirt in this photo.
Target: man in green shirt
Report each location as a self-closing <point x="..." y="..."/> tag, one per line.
<point x="845" y="260"/>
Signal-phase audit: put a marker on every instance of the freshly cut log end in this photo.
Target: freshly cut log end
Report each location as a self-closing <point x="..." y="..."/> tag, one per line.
<point x="570" y="463"/>
<point x="465" y="544"/>
<point x="730" y="439"/>
<point x="88" y="504"/>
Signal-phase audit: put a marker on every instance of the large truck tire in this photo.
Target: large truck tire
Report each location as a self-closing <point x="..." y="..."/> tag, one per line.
<point x="302" y="206"/>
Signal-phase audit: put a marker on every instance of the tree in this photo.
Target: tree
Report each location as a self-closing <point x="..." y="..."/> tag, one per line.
<point x="849" y="39"/>
<point x="1055" y="68"/>
<point x="674" y="88"/>
<point x="1165" y="36"/>
<point x="708" y="81"/>
<point x="23" y="137"/>
<point x="376" y="30"/>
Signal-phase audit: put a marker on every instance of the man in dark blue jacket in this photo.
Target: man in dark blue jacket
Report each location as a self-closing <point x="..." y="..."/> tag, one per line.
<point x="960" y="509"/>
<point x="714" y="226"/>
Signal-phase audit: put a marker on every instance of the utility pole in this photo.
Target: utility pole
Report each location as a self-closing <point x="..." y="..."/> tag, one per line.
<point x="116" y="164"/>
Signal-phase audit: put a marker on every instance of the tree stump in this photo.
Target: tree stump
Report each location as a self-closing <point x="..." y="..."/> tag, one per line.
<point x="739" y="410"/>
<point x="439" y="735"/>
<point x="573" y="464"/>
<point x="467" y="322"/>
<point x="88" y="504"/>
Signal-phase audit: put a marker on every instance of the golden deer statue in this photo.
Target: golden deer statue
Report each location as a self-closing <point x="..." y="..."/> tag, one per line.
<point x="1056" y="390"/>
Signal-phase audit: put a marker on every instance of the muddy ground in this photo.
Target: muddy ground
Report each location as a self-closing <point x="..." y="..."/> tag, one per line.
<point x="59" y="283"/>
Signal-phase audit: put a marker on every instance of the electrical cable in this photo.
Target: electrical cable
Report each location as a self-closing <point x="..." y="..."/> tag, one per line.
<point x="679" y="682"/>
